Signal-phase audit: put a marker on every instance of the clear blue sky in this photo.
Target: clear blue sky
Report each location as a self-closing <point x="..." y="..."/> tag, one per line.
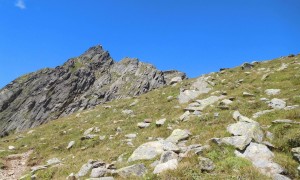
<point x="194" y="36"/>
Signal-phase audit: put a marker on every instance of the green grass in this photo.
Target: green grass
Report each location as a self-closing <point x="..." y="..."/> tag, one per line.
<point x="50" y="140"/>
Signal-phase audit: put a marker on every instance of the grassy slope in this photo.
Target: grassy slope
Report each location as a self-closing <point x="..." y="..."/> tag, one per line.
<point x="50" y="140"/>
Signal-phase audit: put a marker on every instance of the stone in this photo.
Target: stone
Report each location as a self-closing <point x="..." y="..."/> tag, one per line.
<point x="169" y="146"/>
<point x="260" y="113"/>
<point x="102" y="138"/>
<point x="88" y="131"/>
<point x="71" y="144"/>
<point x="262" y="158"/>
<point x="203" y="103"/>
<point x="226" y="102"/>
<point x="277" y="103"/>
<point x="98" y="172"/>
<point x="85" y="169"/>
<point x="206" y="164"/>
<point x="269" y="135"/>
<point x="291" y="107"/>
<point x="280" y="177"/>
<point x="134" y="103"/>
<point x="134" y="170"/>
<point x="147" y="151"/>
<point x="184" y="116"/>
<point x="296" y="153"/>
<point x="169" y="165"/>
<point x="11" y="148"/>
<point x="143" y="125"/>
<point x="251" y="130"/>
<point x="240" y="142"/>
<point x="175" y="80"/>
<point x="246" y="94"/>
<point x="178" y="135"/>
<point x="167" y="155"/>
<point x="200" y="86"/>
<point x="53" y="161"/>
<point x="247" y="66"/>
<point x="272" y="92"/>
<point x="34" y="169"/>
<point x="161" y="122"/>
<point x="130" y="136"/>
<point x="285" y="121"/>
<point x="127" y="112"/>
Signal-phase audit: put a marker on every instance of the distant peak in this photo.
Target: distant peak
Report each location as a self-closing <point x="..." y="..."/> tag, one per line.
<point x="98" y="49"/>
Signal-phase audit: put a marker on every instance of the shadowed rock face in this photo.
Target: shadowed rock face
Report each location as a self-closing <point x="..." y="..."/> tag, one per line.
<point x="83" y="82"/>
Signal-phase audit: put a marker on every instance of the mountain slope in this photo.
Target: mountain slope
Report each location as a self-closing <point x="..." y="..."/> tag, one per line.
<point x="83" y="82"/>
<point x="109" y="133"/>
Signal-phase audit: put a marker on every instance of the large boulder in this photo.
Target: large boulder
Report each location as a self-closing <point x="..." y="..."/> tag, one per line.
<point x="249" y="130"/>
<point x="147" y="151"/>
<point x="262" y="158"/>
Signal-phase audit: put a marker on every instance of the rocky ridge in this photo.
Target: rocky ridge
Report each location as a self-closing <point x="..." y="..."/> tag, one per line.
<point x="82" y="82"/>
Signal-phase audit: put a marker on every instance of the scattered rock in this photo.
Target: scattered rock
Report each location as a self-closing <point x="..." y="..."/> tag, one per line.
<point x="11" y="148"/>
<point x="285" y="121"/>
<point x="88" y="131"/>
<point x="130" y="136"/>
<point x="260" y="113"/>
<point x="277" y="103"/>
<point x="250" y="130"/>
<point x="296" y="153"/>
<point x="169" y="165"/>
<point x="200" y="105"/>
<point x="98" y="172"/>
<point x="53" y="161"/>
<point x="184" y="116"/>
<point x="206" y="164"/>
<point x="280" y="177"/>
<point x="247" y="66"/>
<point x="134" y="170"/>
<point x="262" y="158"/>
<point x="147" y="151"/>
<point x="161" y="122"/>
<point x="240" y="142"/>
<point x="127" y="112"/>
<point x="34" y="169"/>
<point x="85" y="169"/>
<point x="169" y="146"/>
<point x="71" y="144"/>
<point x="201" y="86"/>
<point x="272" y="92"/>
<point x="143" y="125"/>
<point x="246" y="94"/>
<point x="178" y="135"/>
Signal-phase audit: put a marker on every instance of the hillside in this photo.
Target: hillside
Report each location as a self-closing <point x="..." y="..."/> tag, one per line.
<point x="239" y="123"/>
<point x="83" y="82"/>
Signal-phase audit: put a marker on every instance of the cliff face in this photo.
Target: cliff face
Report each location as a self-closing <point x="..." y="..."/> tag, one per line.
<point x="80" y="83"/>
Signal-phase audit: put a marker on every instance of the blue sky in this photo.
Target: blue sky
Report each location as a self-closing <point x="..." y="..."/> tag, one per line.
<point x="194" y="36"/>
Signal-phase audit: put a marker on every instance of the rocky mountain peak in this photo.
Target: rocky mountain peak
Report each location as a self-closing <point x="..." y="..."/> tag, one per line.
<point x="82" y="82"/>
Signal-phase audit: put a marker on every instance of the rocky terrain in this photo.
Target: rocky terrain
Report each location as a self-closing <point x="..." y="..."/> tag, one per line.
<point x="81" y="83"/>
<point x="238" y="123"/>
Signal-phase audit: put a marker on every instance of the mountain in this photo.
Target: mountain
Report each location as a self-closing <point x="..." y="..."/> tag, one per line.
<point x="82" y="82"/>
<point x="238" y="123"/>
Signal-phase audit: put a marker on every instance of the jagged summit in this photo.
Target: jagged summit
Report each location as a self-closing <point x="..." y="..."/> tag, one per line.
<point x="82" y="82"/>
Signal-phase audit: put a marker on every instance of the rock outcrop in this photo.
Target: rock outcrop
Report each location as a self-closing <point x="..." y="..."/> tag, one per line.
<point x="82" y="82"/>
